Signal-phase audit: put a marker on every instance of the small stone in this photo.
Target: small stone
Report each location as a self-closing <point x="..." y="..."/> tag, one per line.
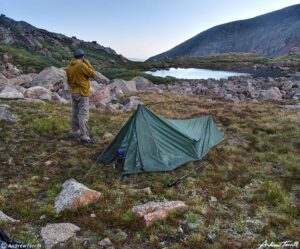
<point x="46" y="178"/>
<point x="10" y="161"/>
<point x="35" y="178"/>
<point x="53" y="234"/>
<point x="93" y="215"/>
<point x="104" y="243"/>
<point x="6" y="115"/>
<point x="107" y="135"/>
<point x="43" y="217"/>
<point x="13" y="186"/>
<point x="179" y="230"/>
<point x="5" y="218"/>
<point x="48" y="163"/>
<point x="147" y="190"/>
<point x="213" y="199"/>
<point x="211" y="237"/>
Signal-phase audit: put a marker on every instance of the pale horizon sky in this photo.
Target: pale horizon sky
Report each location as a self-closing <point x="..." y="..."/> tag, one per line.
<point x="135" y="28"/>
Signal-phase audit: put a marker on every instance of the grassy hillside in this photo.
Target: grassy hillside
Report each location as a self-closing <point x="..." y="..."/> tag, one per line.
<point x="254" y="174"/>
<point x="29" y="60"/>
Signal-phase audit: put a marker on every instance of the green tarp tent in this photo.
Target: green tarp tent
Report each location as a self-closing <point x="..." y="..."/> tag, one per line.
<point x="154" y="143"/>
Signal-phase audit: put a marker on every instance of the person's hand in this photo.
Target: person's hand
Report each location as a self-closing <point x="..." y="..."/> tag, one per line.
<point x="86" y="60"/>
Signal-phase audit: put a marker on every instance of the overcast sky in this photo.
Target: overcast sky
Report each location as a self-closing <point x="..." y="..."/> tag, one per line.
<point x="135" y="28"/>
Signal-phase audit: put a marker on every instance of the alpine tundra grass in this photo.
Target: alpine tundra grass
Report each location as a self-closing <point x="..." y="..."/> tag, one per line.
<point x="249" y="191"/>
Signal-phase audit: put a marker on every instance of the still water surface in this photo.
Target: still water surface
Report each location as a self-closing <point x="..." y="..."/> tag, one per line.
<point x="195" y="73"/>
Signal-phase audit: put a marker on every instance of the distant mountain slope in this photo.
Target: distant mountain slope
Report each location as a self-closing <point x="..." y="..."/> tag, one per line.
<point x="33" y="49"/>
<point x="271" y="34"/>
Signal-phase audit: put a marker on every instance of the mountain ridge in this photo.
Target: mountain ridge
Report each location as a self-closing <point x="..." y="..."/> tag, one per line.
<point x="271" y="34"/>
<point x="33" y="48"/>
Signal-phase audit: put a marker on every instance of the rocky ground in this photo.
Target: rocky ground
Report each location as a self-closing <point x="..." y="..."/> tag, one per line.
<point x="249" y="191"/>
<point x="50" y="85"/>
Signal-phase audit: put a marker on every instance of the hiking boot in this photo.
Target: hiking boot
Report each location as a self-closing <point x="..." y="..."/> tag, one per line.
<point x="87" y="141"/>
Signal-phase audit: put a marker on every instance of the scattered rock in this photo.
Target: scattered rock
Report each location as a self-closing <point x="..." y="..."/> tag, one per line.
<point x="43" y="217"/>
<point x="3" y="80"/>
<point x="34" y="178"/>
<point x="38" y="92"/>
<point x="58" y="99"/>
<point x="48" y="163"/>
<point x="296" y="96"/>
<point x="180" y="230"/>
<point x="147" y="190"/>
<point x="106" y="95"/>
<point x="287" y="85"/>
<point x="23" y="80"/>
<point x="105" y="243"/>
<point x="213" y="199"/>
<point x="50" y="78"/>
<point x="125" y="86"/>
<point x="294" y="50"/>
<point x="10" y="161"/>
<point x="100" y="78"/>
<point x="6" y="219"/>
<point x="142" y="84"/>
<point x="292" y="107"/>
<point x="95" y="86"/>
<point x="271" y="94"/>
<point x="107" y="135"/>
<point x="75" y="195"/>
<point x="153" y="211"/>
<point x="93" y="215"/>
<point x="117" y="107"/>
<point x="10" y="92"/>
<point x="132" y="103"/>
<point x="6" y="115"/>
<point x="53" y="234"/>
<point x="11" y="71"/>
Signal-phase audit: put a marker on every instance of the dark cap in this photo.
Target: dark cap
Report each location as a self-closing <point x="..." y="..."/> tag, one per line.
<point x="78" y="54"/>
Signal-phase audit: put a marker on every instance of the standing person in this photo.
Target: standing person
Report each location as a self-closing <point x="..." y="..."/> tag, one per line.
<point x="79" y="72"/>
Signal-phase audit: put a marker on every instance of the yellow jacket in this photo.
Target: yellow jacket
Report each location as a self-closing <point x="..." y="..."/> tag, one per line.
<point x="78" y="74"/>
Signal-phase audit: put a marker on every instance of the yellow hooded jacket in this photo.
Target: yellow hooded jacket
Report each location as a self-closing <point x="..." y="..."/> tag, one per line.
<point x="78" y="74"/>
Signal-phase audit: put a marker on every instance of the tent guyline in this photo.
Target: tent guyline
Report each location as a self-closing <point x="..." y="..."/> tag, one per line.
<point x="154" y="143"/>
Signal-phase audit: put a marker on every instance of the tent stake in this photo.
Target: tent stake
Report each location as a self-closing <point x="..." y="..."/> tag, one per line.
<point x="180" y="179"/>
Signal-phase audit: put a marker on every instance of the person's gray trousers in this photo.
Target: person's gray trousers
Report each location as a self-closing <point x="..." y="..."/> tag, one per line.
<point x="80" y="115"/>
